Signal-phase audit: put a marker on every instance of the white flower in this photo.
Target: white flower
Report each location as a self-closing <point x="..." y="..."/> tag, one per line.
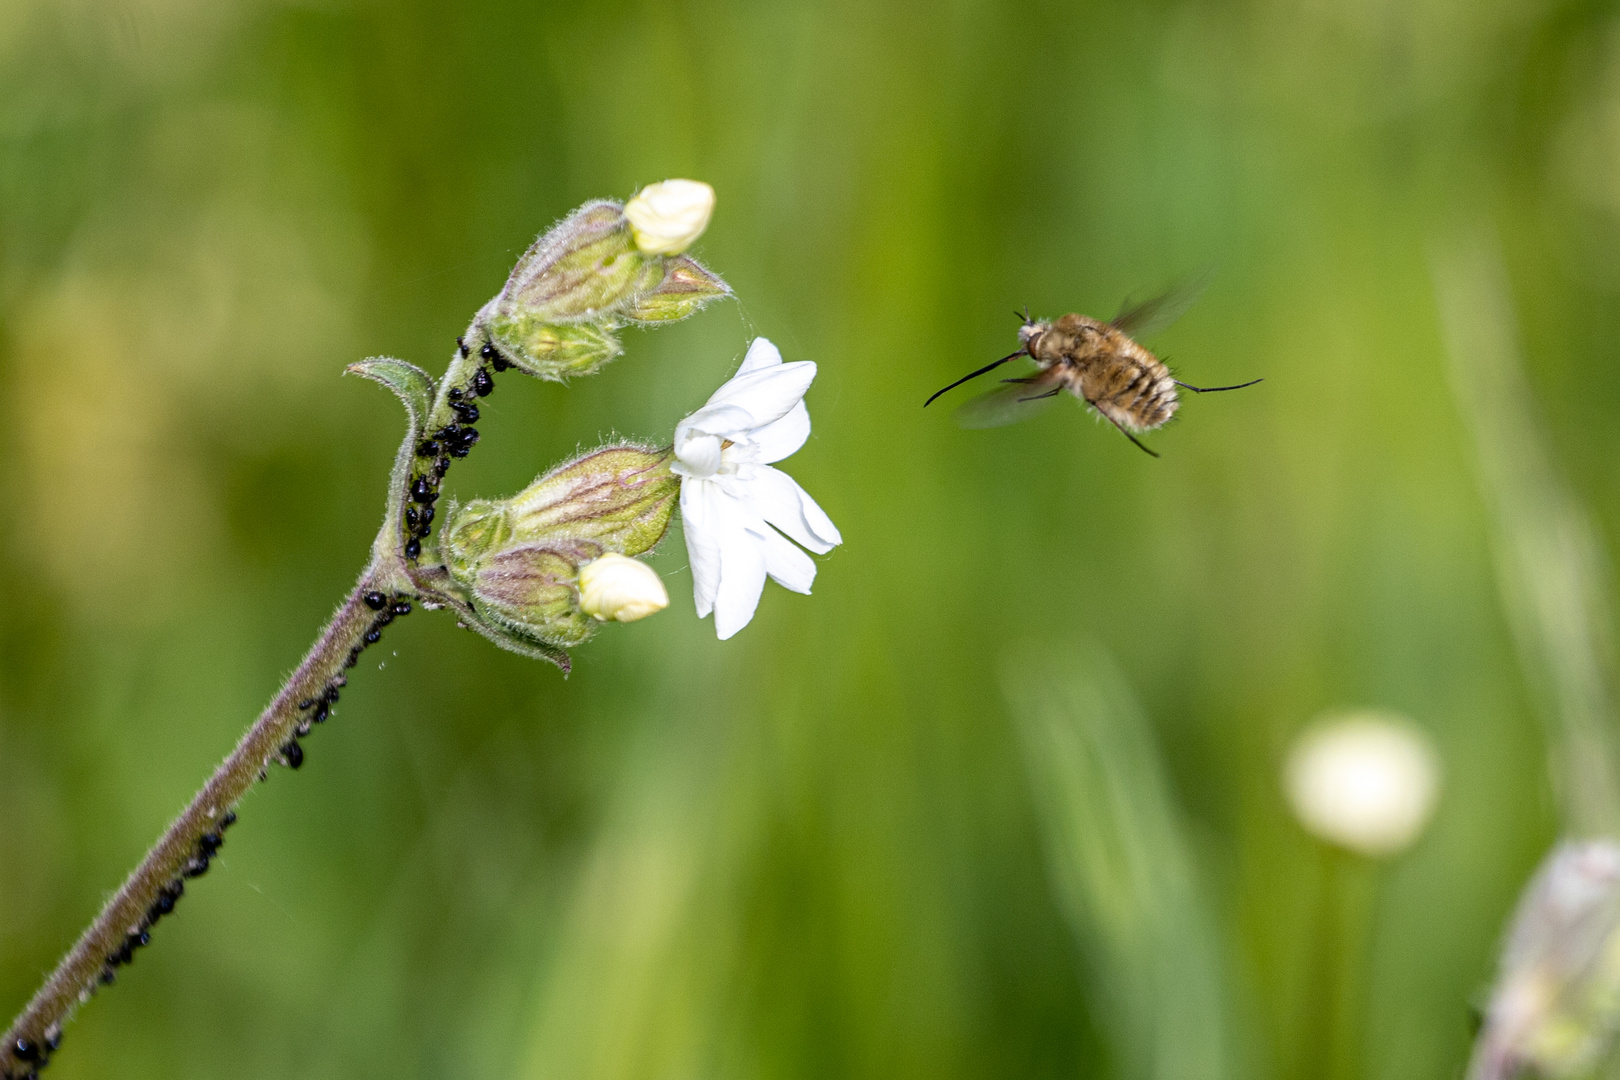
<point x="730" y="495"/>
<point x="1367" y="782"/>
<point x="616" y="588"/>
<point x="666" y="217"/>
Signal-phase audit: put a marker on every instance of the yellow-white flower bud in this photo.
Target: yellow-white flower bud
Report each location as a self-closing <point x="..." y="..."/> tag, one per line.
<point x="666" y="217"/>
<point x="1364" y="781"/>
<point x="615" y="588"/>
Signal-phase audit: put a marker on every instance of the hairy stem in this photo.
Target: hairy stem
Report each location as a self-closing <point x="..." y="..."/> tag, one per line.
<point x="185" y="849"/>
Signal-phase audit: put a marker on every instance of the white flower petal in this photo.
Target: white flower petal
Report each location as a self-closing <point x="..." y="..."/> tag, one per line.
<point x="726" y="421"/>
<point x="778" y="498"/>
<point x="766" y="394"/>
<point x="778" y="440"/>
<point x="702" y="518"/>
<point x="761" y="354"/>
<point x="616" y="588"/>
<point x="742" y="576"/>
<point x="666" y="217"/>
<point x="787" y="565"/>
<point x="697" y="453"/>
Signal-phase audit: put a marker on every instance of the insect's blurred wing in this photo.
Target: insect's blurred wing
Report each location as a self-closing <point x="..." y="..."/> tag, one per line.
<point x="1007" y="404"/>
<point x="1154" y="314"/>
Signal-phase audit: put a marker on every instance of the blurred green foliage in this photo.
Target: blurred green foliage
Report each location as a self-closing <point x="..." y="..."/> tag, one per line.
<point x="1120" y="867"/>
<point x="814" y="850"/>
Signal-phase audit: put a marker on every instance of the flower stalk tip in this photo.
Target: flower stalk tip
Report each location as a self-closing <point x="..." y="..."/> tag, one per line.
<point x="602" y="266"/>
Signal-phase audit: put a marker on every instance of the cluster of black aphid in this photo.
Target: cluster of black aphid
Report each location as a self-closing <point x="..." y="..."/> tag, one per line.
<point x="32" y="1056"/>
<point x="454" y="440"/>
<point x="319" y="707"/>
<point x="202" y="854"/>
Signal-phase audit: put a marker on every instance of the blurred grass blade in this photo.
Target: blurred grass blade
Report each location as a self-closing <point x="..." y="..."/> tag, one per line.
<point x="1120" y="866"/>
<point x="636" y="986"/>
<point x="1550" y="566"/>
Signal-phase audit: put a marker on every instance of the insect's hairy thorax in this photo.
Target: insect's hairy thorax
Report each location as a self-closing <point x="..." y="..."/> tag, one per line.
<point x="1074" y="340"/>
<point x="1102" y="365"/>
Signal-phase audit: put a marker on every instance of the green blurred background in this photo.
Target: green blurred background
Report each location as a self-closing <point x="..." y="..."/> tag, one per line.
<point x="814" y="850"/>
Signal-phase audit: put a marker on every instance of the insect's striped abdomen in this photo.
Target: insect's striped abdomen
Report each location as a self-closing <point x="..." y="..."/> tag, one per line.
<point x="1132" y="389"/>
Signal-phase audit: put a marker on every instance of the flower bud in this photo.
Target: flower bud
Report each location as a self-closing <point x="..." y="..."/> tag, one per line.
<point x="686" y="287"/>
<point x="1366" y="782"/>
<point x="666" y="217"/>
<point x="531" y="591"/>
<point x="518" y="560"/>
<point x="1556" y="1003"/>
<point x="583" y="269"/>
<point x="619" y="589"/>
<point x="620" y="496"/>
<point x="551" y="351"/>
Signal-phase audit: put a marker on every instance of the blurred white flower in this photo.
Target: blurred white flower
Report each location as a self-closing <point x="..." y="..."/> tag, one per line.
<point x="666" y="217"/>
<point x="730" y="495"/>
<point x="1365" y="781"/>
<point x="616" y="588"/>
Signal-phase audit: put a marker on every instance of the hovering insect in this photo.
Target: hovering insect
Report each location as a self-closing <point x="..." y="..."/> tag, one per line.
<point x="1099" y="363"/>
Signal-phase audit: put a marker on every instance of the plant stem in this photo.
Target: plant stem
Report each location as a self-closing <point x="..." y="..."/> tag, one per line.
<point x="186" y="847"/>
<point x="1329" y="1036"/>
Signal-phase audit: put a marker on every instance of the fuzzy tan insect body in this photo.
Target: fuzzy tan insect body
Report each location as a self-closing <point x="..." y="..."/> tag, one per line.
<point x="1102" y="366"/>
<point x="1098" y="362"/>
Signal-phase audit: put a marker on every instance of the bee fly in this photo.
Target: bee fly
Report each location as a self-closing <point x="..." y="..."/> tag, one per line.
<point x="1097" y="362"/>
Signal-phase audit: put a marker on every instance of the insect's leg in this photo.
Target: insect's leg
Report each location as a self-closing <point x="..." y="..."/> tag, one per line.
<point x="1122" y="430"/>
<point x="1214" y="389"/>
<point x="1025" y="379"/>
<point x="1054" y="392"/>
<point x="974" y="375"/>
